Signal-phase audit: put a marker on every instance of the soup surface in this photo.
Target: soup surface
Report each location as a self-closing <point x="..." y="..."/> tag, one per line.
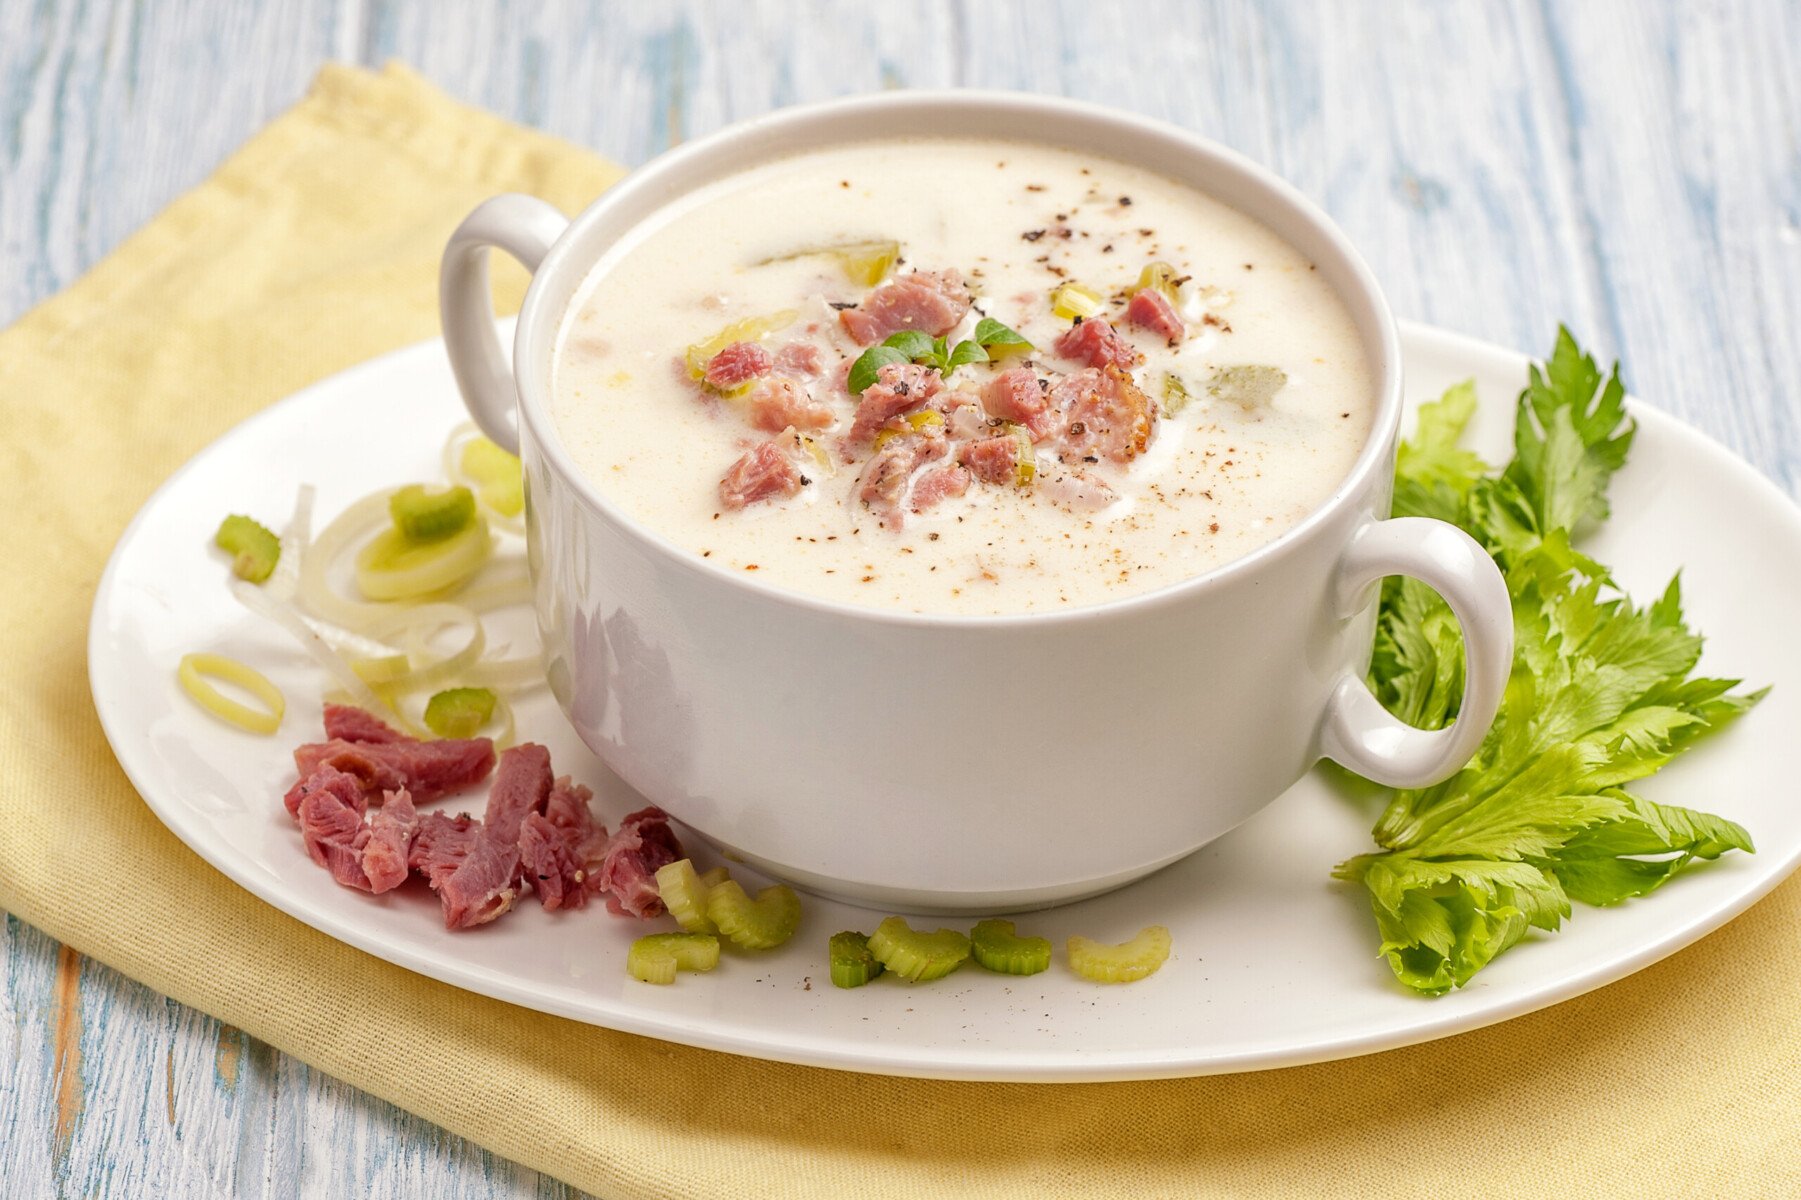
<point x="960" y="376"/>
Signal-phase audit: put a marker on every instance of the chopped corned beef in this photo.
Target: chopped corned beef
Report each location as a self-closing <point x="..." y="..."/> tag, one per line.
<point x="737" y="365"/>
<point x="550" y="864"/>
<point x="330" y="812"/>
<point x="521" y="786"/>
<point x="425" y="769"/>
<point x="391" y="830"/>
<point x="568" y="810"/>
<point x="1104" y="416"/>
<point x="779" y="403"/>
<point x="440" y="843"/>
<point x="1015" y="395"/>
<point x="889" y="475"/>
<point x="994" y="459"/>
<point x="1096" y="343"/>
<point x="939" y="484"/>
<point x="802" y="360"/>
<point x="765" y="471"/>
<point x="899" y="388"/>
<point x="474" y="875"/>
<point x="348" y="723"/>
<point x="628" y="872"/>
<point x="1150" y="309"/>
<point x="932" y="301"/>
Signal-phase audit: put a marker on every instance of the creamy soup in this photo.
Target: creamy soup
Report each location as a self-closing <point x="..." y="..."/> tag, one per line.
<point x="960" y="376"/>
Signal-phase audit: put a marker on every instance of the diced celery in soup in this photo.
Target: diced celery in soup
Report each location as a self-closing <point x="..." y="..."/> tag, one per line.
<point x="960" y="376"/>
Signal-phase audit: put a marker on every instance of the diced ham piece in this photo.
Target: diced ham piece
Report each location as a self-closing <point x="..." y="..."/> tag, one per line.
<point x="939" y="484"/>
<point x="1095" y="343"/>
<point x="994" y="459"/>
<point x="779" y="403"/>
<point x="348" y="723"/>
<point x="567" y="810"/>
<point x="330" y="812"/>
<point x="767" y="470"/>
<point x="1150" y="309"/>
<point x="473" y="874"/>
<point x="628" y="872"/>
<point x="737" y="365"/>
<point x="801" y="360"/>
<point x="899" y="388"/>
<point x="391" y="830"/>
<point x="426" y="770"/>
<point x="887" y="478"/>
<point x="521" y="787"/>
<point x="930" y="301"/>
<point x="1104" y="416"/>
<point x="1016" y="395"/>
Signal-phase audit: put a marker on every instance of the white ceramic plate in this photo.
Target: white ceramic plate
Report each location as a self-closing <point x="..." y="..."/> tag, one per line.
<point x="1273" y="965"/>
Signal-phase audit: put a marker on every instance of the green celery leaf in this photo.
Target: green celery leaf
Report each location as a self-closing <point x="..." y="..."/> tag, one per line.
<point x="912" y="343"/>
<point x="965" y="353"/>
<point x="1571" y="434"/>
<point x="869" y="365"/>
<point x="991" y="333"/>
<point x="1433" y="476"/>
<point x="1607" y="863"/>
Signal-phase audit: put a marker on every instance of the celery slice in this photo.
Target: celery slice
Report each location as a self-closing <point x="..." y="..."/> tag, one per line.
<point x="656" y="957"/>
<point x="1072" y="300"/>
<point x="395" y="567"/>
<point x="1025" y="459"/>
<point x="1248" y="386"/>
<point x="684" y="894"/>
<point x="1123" y="963"/>
<point x="920" y="957"/>
<point x="750" y="329"/>
<point x="760" y="924"/>
<point x="254" y="549"/>
<point x="192" y="672"/>
<point x="459" y="712"/>
<point x="500" y="478"/>
<point x="919" y="420"/>
<point x="431" y="514"/>
<point x="851" y="962"/>
<point x="863" y="263"/>
<point x="1175" y="395"/>
<point x="1159" y="277"/>
<point x="715" y="877"/>
<point x="994" y="945"/>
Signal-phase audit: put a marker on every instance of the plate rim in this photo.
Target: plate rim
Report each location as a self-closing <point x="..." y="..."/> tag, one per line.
<point x="961" y="1063"/>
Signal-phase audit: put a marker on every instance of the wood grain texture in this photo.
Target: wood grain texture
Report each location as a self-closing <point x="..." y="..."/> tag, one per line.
<point x="1633" y="169"/>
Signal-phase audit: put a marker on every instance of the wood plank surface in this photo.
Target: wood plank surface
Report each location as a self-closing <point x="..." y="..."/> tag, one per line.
<point x="1630" y="168"/>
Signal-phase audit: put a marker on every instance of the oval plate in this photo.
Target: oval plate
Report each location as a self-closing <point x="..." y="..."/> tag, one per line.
<point x="1274" y="964"/>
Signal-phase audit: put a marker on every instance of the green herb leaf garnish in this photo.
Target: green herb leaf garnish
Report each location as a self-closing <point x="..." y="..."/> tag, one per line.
<point x="869" y="366"/>
<point x="915" y="344"/>
<point x="991" y="333"/>
<point x="1602" y="694"/>
<point x="965" y="353"/>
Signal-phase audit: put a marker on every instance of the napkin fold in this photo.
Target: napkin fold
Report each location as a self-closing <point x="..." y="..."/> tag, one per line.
<point x="315" y="247"/>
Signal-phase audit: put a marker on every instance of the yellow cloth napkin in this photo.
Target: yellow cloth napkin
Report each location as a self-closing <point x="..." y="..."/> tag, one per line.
<point x="316" y="246"/>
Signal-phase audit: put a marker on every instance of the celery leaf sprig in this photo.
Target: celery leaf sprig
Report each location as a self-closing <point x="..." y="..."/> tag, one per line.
<point x="1602" y="693"/>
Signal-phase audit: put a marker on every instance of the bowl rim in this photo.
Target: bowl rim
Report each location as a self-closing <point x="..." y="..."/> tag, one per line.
<point x="540" y="318"/>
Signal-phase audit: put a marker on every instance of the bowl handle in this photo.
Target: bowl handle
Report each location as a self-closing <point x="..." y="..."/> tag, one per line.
<point x="526" y="228"/>
<point x="1358" y="732"/>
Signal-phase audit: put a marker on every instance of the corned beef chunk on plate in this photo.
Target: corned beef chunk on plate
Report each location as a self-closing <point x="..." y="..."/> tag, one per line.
<point x="538" y="831"/>
<point x="385" y="760"/>
<point x="628" y="873"/>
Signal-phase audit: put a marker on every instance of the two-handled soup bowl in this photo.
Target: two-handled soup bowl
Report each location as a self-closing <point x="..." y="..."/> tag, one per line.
<point x="958" y="763"/>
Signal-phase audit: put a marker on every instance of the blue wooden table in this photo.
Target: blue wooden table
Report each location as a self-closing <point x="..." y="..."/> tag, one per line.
<point x="1632" y="169"/>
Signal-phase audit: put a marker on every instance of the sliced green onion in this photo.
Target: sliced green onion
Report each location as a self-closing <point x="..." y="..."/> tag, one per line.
<point x="1124" y="963"/>
<point x="684" y="894"/>
<point x="254" y="550"/>
<point x="425" y="514"/>
<point x="917" y="956"/>
<point x="851" y="963"/>
<point x="759" y="924"/>
<point x="193" y="672"/>
<point x="994" y="945"/>
<point x="395" y="567"/>
<point x="459" y="712"/>
<point x="656" y="957"/>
